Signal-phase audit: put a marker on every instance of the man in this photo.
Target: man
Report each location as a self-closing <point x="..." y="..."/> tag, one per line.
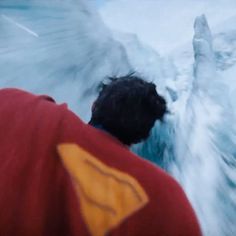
<point x="127" y="108"/>
<point x="59" y="176"/>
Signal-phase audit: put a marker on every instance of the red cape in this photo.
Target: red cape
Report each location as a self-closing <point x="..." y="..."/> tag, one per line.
<point x="38" y="188"/>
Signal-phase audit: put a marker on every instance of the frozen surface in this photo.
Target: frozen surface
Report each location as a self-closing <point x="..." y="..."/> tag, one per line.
<point x="61" y="48"/>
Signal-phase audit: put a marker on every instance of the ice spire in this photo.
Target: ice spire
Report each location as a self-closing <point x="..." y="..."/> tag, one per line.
<point x="204" y="66"/>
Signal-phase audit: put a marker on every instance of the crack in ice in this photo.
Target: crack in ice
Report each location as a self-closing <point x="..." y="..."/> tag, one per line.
<point x="20" y="26"/>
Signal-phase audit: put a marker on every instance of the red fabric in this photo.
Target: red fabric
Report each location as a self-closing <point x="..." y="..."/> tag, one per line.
<point x="36" y="194"/>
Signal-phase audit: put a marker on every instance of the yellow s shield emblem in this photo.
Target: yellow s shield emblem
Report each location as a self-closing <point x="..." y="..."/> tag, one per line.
<point x="107" y="196"/>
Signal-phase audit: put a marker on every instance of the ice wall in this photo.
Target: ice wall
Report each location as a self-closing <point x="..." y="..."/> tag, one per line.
<point x="61" y="48"/>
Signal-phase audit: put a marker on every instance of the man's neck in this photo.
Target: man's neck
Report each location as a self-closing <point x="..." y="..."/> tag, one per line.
<point x="100" y="127"/>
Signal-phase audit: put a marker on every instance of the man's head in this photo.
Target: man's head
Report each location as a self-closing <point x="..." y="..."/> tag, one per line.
<point x="127" y="108"/>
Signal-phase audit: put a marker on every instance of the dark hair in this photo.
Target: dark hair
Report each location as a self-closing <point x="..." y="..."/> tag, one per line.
<point x="127" y="108"/>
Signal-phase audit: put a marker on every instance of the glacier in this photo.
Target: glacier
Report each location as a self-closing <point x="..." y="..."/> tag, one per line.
<point x="65" y="49"/>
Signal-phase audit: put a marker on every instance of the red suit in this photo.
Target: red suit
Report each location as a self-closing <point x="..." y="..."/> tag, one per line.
<point x="59" y="176"/>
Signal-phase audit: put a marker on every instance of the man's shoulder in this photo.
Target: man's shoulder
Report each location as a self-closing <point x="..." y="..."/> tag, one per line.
<point x="21" y="96"/>
<point x="114" y="154"/>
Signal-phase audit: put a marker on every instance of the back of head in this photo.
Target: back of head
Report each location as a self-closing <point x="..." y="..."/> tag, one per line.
<point x="127" y="108"/>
